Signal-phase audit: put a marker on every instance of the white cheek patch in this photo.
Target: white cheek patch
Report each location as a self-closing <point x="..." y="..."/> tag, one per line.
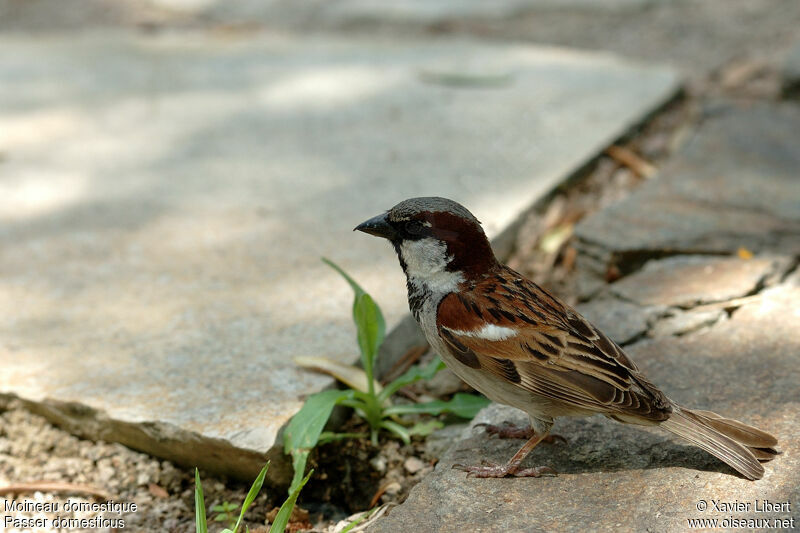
<point x="426" y="262"/>
<point x="424" y="256"/>
<point x="489" y="332"/>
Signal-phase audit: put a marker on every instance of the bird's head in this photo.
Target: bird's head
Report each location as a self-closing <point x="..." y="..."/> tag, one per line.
<point x="436" y="240"/>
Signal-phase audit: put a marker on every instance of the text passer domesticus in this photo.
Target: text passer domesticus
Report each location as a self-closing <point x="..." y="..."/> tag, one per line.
<point x="520" y="346"/>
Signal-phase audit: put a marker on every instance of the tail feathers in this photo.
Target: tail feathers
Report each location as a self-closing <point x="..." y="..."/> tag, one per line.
<point x="737" y="444"/>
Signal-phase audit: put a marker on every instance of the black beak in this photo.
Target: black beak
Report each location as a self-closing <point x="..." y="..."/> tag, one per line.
<point x="378" y="226"/>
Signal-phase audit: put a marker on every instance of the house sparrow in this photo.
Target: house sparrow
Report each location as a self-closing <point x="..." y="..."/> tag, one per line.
<point x="520" y="346"/>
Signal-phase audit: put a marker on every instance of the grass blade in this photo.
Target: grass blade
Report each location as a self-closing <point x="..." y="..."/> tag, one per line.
<point x="370" y="324"/>
<point x="360" y="518"/>
<point x="251" y="495"/>
<point x="199" y="505"/>
<point x="463" y="405"/>
<point x="415" y="373"/>
<point x="371" y="329"/>
<point x="356" y="287"/>
<point x="398" y="430"/>
<point x="285" y="512"/>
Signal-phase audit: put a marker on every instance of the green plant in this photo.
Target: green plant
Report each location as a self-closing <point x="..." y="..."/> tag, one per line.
<point x="369" y="400"/>
<point x="225" y="512"/>
<point x="278" y="525"/>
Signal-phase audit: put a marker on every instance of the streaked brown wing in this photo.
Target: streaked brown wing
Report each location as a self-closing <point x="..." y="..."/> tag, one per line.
<point x="555" y="352"/>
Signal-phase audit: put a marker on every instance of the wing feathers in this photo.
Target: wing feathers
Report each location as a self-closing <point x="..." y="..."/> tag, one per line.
<point x="512" y="328"/>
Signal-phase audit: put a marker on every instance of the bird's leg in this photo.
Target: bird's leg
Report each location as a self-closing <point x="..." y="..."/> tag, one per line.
<point x="513" y="467"/>
<point x="510" y="431"/>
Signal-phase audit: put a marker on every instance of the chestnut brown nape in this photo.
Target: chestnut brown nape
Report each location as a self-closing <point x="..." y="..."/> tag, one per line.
<point x="433" y="204"/>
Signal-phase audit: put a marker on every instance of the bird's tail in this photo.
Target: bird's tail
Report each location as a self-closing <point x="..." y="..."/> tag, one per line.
<point x="737" y="444"/>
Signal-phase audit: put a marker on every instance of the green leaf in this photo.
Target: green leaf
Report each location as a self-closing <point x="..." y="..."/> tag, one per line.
<point x="398" y="430"/>
<point x="415" y="373"/>
<point x="425" y="428"/>
<point x="299" y="460"/>
<point x="463" y="405"/>
<point x="302" y="433"/>
<point x="356" y="287"/>
<point x="285" y="512"/>
<point x="251" y="495"/>
<point x="369" y="322"/>
<point x="199" y="505"/>
<point x="371" y="331"/>
<point x="327" y="436"/>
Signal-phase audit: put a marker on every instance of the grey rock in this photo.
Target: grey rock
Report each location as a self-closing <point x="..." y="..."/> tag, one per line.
<point x="686" y="281"/>
<point x="444" y="383"/>
<point x="735" y="184"/>
<point x="678" y="322"/>
<point x="165" y="201"/>
<point x="440" y="440"/>
<point x="618" y="476"/>
<point x="621" y="321"/>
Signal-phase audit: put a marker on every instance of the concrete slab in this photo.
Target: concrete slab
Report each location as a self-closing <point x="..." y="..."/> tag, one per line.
<point x="165" y="202"/>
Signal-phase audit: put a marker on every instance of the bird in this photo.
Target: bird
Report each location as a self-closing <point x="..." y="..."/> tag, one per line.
<point x="519" y="345"/>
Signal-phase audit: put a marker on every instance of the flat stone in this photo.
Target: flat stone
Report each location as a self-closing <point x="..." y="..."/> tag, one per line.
<point x="621" y="321"/>
<point x="791" y="73"/>
<point x="686" y="281"/>
<point x="165" y="201"/>
<point x="677" y="322"/>
<point x="743" y="196"/>
<point x="632" y="477"/>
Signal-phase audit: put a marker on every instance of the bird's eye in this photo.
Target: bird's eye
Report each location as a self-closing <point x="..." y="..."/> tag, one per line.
<point x="414" y="227"/>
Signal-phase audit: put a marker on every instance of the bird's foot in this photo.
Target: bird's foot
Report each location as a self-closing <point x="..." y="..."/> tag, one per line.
<point x="510" y="431"/>
<point x="497" y="471"/>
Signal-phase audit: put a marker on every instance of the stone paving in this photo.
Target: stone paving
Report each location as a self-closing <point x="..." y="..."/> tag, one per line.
<point x="714" y="327"/>
<point x="165" y="201"/>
